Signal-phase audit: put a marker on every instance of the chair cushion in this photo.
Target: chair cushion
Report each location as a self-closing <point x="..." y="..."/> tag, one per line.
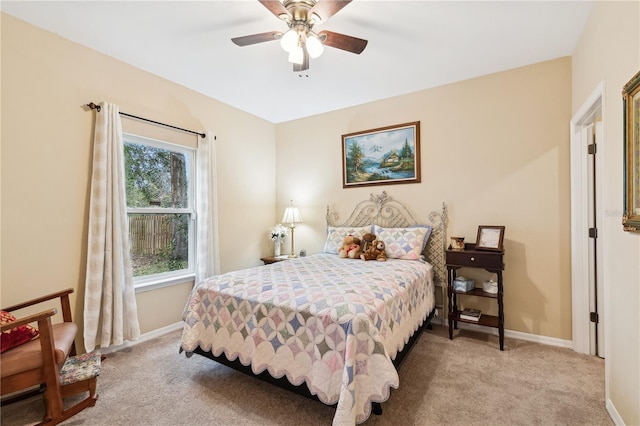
<point x="28" y="356"/>
<point x="80" y="367"/>
<point x="17" y="335"/>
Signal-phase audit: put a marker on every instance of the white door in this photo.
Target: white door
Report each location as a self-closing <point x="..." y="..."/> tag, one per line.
<point x="587" y="255"/>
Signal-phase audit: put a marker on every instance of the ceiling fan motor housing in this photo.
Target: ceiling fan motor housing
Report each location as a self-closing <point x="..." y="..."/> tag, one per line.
<point x="299" y="9"/>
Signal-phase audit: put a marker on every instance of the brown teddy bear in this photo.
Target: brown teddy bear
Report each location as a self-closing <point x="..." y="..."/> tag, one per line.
<point x="367" y="239"/>
<point x="376" y="251"/>
<point x="350" y="247"/>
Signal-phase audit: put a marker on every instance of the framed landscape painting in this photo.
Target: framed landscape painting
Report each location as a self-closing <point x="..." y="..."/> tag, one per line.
<point x="631" y="102"/>
<point x="388" y="155"/>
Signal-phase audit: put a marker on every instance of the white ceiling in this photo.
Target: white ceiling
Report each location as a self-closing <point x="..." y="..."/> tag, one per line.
<point x="413" y="45"/>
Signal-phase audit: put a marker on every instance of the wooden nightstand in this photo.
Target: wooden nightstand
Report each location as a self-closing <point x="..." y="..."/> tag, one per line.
<point x="273" y="259"/>
<point x="491" y="261"/>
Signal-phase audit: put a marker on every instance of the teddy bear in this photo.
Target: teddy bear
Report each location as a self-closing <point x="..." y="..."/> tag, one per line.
<point x="350" y="247"/>
<point x="367" y="239"/>
<point x="376" y="251"/>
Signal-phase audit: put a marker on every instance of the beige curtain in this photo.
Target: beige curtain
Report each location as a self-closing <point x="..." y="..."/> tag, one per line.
<point x="110" y="311"/>
<point x="207" y="252"/>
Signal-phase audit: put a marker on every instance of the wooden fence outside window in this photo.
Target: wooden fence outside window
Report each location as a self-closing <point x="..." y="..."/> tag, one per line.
<point x="150" y="234"/>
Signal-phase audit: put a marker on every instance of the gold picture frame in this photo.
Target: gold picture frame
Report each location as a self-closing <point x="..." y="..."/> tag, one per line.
<point x="383" y="156"/>
<point x="631" y="103"/>
<point x="490" y="238"/>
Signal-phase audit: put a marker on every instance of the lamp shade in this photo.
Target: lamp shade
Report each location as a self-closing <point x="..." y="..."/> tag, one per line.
<point x="291" y="215"/>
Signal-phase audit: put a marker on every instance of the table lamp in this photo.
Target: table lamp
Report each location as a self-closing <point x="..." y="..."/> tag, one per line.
<point x="292" y="216"/>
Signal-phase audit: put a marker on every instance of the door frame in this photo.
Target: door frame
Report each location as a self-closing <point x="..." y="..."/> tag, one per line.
<point x="580" y="288"/>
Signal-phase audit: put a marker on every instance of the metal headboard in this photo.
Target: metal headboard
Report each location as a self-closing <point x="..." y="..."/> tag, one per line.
<point x="384" y="211"/>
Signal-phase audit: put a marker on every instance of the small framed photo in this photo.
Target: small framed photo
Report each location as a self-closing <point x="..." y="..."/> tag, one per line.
<point x="490" y="238"/>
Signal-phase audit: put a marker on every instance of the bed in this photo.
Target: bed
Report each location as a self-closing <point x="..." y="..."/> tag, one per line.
<point x="326" y="327"/>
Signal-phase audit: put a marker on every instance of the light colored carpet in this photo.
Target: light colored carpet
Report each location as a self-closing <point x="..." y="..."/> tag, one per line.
<point x="466" y="381"/>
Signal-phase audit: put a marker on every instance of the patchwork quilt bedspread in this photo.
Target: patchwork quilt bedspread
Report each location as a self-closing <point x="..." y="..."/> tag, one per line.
<point x="332" y="323"/>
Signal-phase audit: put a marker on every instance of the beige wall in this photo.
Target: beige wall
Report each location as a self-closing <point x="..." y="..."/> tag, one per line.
<point x="495" y="149"/>
<point x="609" y="52"/>
<point x="46" y="161"/>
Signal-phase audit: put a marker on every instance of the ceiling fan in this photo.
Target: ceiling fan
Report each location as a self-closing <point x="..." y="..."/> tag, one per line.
<point x="300" y="41"/>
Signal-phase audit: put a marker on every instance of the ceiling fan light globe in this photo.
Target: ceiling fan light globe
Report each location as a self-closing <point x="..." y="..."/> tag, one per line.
<point x="314" y="46"/>
<point x="296" y="56"/>
<point x="289" y="41"/>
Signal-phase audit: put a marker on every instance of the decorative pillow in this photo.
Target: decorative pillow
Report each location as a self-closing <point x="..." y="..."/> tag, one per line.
<point x="335" y="235"/>
<point x="404" y="243"/>
<point x="17" y="335"/>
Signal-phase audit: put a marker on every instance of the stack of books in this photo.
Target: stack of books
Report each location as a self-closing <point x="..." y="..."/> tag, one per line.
<point x="470" y="314"/>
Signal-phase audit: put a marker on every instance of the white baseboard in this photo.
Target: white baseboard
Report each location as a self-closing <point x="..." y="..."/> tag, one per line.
<point x="144" y="338"/>
<point x="545" y="340"/>
<point x="615" y="416"/>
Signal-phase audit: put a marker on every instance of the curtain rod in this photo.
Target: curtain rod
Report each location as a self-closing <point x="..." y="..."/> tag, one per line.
<point x="92" y="105"/>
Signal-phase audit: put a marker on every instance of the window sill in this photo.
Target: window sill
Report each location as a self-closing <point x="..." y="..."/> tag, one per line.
<point x="148" y="284"/>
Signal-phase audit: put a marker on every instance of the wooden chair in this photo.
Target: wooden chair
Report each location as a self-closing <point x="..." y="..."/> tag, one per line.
<point x="49" y="361"/>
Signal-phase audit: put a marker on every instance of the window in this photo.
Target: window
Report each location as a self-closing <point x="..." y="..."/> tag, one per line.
<point x="160" y="207"/>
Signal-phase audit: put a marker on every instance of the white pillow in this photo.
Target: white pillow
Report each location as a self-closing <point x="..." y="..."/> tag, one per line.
<point x="335" y="235"/>
<point x="404" y="243"/>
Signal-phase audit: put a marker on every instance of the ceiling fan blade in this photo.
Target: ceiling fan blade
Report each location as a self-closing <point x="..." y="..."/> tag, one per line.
<point x="344" y="42"/>
<point x="256" y="38"/>
<point x="305" y="62"/>
<point x="275" y="7"/>
<point x="325" y="9"/>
